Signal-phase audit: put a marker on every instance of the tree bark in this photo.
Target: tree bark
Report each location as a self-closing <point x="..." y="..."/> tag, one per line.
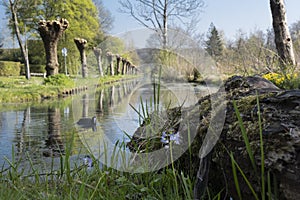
<point x="124" y="61"/>
<point x="118" y="64"/>
<point x="111" y="63"/>
<point x="128" y="65"/>
<point x="50" y="32"/>
<point x="283" y="40"/>
<point x="209" y="156"/>
<point x="98" y="53"/>
<point x="81" y="45"/>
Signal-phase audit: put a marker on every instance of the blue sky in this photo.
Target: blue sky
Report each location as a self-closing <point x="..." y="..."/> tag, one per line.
<point x="227" y="15"/>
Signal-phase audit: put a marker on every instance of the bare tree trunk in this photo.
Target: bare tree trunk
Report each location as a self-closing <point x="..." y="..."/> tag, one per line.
<point x="165" y="25"/>
<point x="81" y="44"/>
<point x="128" y="64"/>
<point x="124" y="61"/>
<point x="283" y="40"/>
<point x="111" y="63"/>
<point x="50" y="32"/>
<point x="24" y="50"/>
<point x="118" y="64"/>
<point x="98" y="53"/>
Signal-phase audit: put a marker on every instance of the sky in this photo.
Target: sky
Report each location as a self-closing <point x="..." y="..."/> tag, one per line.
<point x="229" y="16"/>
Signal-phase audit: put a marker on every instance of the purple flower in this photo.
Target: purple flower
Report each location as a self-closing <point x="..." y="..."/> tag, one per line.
<point x="87" y="160"/>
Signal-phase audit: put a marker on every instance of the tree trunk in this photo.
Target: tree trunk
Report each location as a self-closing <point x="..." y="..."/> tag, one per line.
<point x="165" y="25"/>
<point x="98" y="53"/>
<point x="23" y="48"/>
<point x="283" y="40"/>
<point x="50" y="32"/>
<point x="118" y="64"/>
<point x="111" y="63"/>
<point x="128" y="65"/>
<point x="81" y="44"/>
<point x="124" y="61"/>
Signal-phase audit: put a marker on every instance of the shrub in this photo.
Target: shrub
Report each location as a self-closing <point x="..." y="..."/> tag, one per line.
<point x="8" y="68"/>
<point x="59" y="80"/>
<point x="288" y="81"/>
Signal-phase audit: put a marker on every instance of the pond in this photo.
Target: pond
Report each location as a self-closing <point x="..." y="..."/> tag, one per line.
<point x="97" y="121"/>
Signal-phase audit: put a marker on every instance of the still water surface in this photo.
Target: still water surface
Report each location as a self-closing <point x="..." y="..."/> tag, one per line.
<point x="42" y="131"/>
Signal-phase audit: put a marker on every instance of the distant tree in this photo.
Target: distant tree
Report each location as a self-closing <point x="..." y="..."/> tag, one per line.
<point x="14" y="7"/>
<point x="1" y="45"/>
<point x="104" y="16"/>
<point x="157" y="15"/>
<point x="295" y="34"/>
<point x="214" y="44"/>
<point x="283" y="40"/>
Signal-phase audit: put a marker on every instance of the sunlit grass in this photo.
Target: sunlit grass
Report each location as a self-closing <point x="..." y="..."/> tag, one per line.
<point x="17" y="89"/>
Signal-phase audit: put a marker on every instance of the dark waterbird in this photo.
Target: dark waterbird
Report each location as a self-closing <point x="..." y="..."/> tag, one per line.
<point x="88" y="123"/>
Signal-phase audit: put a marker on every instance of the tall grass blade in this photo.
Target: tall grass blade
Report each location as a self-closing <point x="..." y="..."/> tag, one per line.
<point x="269" y="187"/>
<point x="138" y="112"/>
<point x="262" y="156"/>
<point x="244" y="135"/>
<point x="235" y="178"/>
<point x="186" y="187"/>
<point x="243" y="175"/>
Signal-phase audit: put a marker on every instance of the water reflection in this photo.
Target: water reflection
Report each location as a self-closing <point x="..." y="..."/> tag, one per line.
<point x="95" y="119"/>
<point x="54" y="141"/>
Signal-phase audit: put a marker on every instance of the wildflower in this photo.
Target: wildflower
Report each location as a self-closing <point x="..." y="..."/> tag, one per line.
<point x="87" y="160"/>
<point x="173" y="137"/>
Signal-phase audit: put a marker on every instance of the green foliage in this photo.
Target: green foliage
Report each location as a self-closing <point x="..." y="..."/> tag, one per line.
<point x="36" y="52"/>
<point x="112" y="44"/>
<point x="11" y="55"/>
<point x="284" y="81"/>
<point x="59" y="80"/>
<point x="83" y="19"/>
<point x="214" y="44"/>
<point x="8" y="68"/>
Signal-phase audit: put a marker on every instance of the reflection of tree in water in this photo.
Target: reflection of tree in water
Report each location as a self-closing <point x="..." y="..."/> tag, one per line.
<point x="54" y="141"/>
<point x="86" y="122"/>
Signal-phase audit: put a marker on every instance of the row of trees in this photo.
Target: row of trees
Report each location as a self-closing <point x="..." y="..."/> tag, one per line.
<point x="88" y="19"/>
<point x="252" y="53"/>
<point x="249" y="53"/>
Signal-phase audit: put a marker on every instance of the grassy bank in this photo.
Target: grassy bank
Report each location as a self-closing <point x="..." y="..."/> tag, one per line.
<point x="16" y="89"/>
<point x="80" y="181"/>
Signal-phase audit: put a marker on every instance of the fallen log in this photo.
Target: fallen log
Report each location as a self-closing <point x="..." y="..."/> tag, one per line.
<point x="209" y="159"/>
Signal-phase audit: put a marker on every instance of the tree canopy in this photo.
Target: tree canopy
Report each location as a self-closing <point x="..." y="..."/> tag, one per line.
<point x="83" y="17"/>
<point x="214" y="44"/>
<point x="158" y="15"/>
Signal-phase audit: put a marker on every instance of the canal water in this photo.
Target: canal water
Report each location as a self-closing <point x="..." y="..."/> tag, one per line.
<point x="97" y="121"/>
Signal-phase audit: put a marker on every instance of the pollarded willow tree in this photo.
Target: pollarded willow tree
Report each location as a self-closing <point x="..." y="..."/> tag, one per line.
<point x="81" y="45"/>
<point x="157" y="14"/>
<point x="51" y="32"/>
<point x="83" y="17"/>
<point x="283" y="40"/>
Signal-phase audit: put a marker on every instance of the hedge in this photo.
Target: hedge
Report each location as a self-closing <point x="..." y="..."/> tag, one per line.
<point x="9" y="68"/>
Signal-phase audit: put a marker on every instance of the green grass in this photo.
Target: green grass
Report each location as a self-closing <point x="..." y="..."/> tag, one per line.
<point x="17" y="89"/>
<point x="81" y="182"/>
<point x="265" y="178"/>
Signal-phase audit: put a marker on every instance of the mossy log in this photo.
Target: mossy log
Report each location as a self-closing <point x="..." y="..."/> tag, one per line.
<point x="279" y="111"/>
